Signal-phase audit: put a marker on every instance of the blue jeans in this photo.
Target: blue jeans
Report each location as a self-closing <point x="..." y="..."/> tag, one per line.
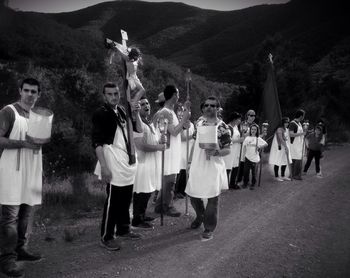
<point x="13" y="230"/>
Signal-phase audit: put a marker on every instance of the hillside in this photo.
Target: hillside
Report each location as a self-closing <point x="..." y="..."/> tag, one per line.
<point x="310" y="44"/>
<point x="217" y="44"/>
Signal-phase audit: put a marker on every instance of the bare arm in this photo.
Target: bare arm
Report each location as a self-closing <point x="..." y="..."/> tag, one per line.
<point x="121" y="50"/>
<point x="106" y="173"/>
<point x="143" y="146"/>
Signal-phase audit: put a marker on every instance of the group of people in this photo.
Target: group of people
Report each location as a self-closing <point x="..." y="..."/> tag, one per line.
<point x="170" y="160"/>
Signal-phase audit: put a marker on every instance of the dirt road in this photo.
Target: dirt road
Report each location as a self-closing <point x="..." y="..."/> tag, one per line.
<point x="282" y="229"/>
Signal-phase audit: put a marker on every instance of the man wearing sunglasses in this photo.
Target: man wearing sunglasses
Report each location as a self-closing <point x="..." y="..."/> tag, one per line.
<point x="207" y="177"/>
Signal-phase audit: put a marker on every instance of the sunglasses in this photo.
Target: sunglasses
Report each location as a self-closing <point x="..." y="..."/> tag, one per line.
<point x="210" y="105"/>
<point x="251" y="115"/>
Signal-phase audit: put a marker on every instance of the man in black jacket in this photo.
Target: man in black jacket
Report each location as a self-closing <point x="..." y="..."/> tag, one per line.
<point x="110" y="141"/>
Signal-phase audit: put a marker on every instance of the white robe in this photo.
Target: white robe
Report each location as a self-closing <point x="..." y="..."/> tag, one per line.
<point x="148" y="173"/>
<point x="206" y="177"/>
<point x="296" y="148"/>
<point x="22" y="186"/>
<point x="279" y="157"/>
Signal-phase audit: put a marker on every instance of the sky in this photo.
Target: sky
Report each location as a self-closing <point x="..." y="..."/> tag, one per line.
<point x="56" y="6"/>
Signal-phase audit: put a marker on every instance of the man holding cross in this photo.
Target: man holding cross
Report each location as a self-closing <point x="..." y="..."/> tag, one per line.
<point x="110" y="140"/>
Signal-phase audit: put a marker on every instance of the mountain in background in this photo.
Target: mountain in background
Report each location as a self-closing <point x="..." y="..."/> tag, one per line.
<point x="213" y="43"/>
<point x="310" y="41"/>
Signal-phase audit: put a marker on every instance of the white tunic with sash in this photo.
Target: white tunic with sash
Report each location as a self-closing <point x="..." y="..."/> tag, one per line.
<point x="117" y="159"/>
<point x="296" y="148"/>
<point x="23" y="185"/>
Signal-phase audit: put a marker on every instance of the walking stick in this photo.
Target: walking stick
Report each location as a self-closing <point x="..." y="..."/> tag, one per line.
<point x="188" y="80"/>
<point x="163" y="128"/>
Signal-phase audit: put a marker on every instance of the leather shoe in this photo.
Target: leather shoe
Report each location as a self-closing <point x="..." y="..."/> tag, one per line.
<point x="24" y="255"/>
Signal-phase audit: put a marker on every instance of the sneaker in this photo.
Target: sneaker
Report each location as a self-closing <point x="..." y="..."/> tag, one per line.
<point x="279" y="179"/>
<point x="11" y="269"/>
<point x="196" y="224"/>
<point x="148" y="219"/>
<point x="206" y="235"/>
<point x="142" y="225"/>
<point x="130" y="235"/>
<point x="319" y="175"/>
<point x="172" y="212"/>
<point x="24" y="255"/>
<point x="286" y="178"/>
<point x="111" y="245"/>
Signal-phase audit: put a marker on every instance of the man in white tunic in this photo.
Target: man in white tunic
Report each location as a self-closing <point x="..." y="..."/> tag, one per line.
<point x="20" y="179"/>
<point x="148" y="174"/>
<point x="110" y="139"/>
<point x="172" y="154"/>
<point x="297" y="143"/>
<point x="208" y="177"/>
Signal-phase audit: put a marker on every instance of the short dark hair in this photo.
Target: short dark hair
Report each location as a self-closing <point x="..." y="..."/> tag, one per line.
<point x="169" y="91"/>
<point x="134" y="52"/>
<point x="30" y="81"/>
<point x="109" y="85"/>
<point x="214" y="98"/>
<point x="234" y="116"/>
<point x="299" y="113"/>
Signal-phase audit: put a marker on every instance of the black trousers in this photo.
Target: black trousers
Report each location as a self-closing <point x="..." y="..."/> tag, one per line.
<point x="296" y="168"/>
<point x="180" y="185"/>
<point x="139" y="204"/>
<point x="241" y="171"/>
<point x="249" y="166"/>
<point x="310" y="156"/>
<point x="283" y="170"/>
<point x="116" y="218"/>
<point x="232" y="181"/>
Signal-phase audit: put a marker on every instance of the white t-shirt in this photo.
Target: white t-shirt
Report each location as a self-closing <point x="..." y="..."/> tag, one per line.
<point x="250" y="148"/>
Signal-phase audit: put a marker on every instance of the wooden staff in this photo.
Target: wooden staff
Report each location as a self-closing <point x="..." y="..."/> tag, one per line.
<point x="163" y="128"/>
<point x="188" y="80"/>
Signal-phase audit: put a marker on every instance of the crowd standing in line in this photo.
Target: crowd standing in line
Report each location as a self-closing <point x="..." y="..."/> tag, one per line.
<point x="230" y="165"/>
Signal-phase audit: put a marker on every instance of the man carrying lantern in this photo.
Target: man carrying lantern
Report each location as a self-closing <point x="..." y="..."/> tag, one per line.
<point x="20" y="179"/>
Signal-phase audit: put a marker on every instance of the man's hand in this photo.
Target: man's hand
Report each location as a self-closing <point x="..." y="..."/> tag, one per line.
<point x="161" y="147"/>
<point x="135" y="106"/>
<point x="29" y="145"/>
<point x="163" y="139"/>
<point x="187" y="125"/>
<point x="211" y="152"/>
<point x="106" y="174"/>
